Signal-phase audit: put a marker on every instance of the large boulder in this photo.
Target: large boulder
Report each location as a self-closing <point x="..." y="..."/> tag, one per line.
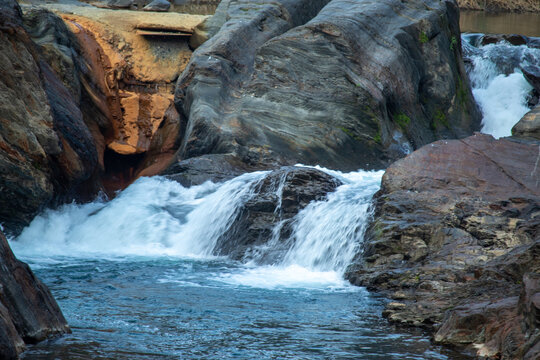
<point x="342" y="84"/>
<point x="28" y="312"/>
<point x="46" y="149"/>
<point x="261" y="230"/>
<point x="454" y="238"/>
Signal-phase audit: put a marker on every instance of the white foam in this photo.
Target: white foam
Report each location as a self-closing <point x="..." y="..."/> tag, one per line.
<point x="503" y="103"/>
<point x="292" y="276"/>
<point x="499" y="87"/>
<point x="152" y="217"/>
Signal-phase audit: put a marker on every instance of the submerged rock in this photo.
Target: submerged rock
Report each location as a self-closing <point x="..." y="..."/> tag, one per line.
<point x="343" y="84"/>
<point x="456" y="231"/>
<point x="261" y="230"/>
<point x="28" y="312"/>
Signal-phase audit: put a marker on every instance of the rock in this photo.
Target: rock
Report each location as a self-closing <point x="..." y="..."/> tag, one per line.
<point x="46" y="150"/>
<point x="532" y="74"/>
<point x="119" y="4"/>
<point x="286" y="79"/>
<point x="529" y="125"/>
<point x="158" y="5"/>
<point x="513" y="39"/>
<point x="28" y="312"/>
<point x="455" y="222"/>
<point x="277" y="198"/>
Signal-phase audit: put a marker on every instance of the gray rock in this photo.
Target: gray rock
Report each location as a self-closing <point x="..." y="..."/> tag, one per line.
<point x="119" y="4"/>
<point x="158" y="5"/>
<point x="529" y="125"/>
<point x="350" y="85"/>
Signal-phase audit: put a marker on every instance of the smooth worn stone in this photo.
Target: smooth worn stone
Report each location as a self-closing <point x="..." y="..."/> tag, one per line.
<point x="28" y="312"/>
<point x="529" y="125"/>
<point x="342" y="84"/>
<point x="158" y="5"/>
<point x="471" y="208"/>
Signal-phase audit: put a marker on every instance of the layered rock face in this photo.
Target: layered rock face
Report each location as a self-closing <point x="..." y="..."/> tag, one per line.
<point x="47" y="151"/>
<point x="28" y="312"/>
<point x="343" y="84"/>
<point x="455" y="240"/>
<point x="500" y="5"/>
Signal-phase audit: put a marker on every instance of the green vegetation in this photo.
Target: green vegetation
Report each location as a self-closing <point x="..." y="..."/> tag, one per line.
<point x="377" y="137"/>
<point x="423" y="37"/>
<point x="350" y="133"/>
<point x="440" y="120"/>
<point x="402" y="120"/>
<point x="453" y="43"/>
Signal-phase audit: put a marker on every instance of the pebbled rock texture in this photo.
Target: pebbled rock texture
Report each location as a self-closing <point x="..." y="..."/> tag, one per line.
<point x="345" y="84"/>
<point x="28" y="312"/>
<point x="273" y="203"/>
<point x="455" y="240"/>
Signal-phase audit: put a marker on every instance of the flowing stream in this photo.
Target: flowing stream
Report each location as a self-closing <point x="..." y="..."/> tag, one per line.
<point x="137" y="279"/>
<point x="137" y="276"/>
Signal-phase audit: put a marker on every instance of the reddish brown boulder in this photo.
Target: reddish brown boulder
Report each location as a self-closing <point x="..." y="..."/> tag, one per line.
<point x="455" y="234"/>
<point x="28" y="312"/>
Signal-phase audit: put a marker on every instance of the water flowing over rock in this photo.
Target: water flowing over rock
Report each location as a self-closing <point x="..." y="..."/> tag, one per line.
<point x="455" y="223"/>
<point x="265" y="219"/>
<point x="28" y="312"/>
<point x="342" y="84"/>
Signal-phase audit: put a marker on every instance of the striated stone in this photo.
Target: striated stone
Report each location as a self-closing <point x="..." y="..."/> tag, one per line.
<point x="255" y="86"/>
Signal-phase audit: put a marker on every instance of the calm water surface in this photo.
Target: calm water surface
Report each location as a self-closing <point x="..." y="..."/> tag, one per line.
<point x="480" y="22"/>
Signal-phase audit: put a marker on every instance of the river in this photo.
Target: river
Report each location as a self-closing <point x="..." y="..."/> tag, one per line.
<point x="137" y="278"/>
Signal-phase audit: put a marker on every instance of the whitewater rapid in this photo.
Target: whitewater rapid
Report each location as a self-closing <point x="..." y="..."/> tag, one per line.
<point x="157" y="217"/>
<point x="498" y="84"/>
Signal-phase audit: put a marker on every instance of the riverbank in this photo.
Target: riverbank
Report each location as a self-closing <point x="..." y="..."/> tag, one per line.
<point x="500" y="5"/>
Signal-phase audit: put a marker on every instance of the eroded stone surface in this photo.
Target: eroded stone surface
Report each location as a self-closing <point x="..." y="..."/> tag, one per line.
<point x="456" y="230"/>
<point x="346" y="85"/>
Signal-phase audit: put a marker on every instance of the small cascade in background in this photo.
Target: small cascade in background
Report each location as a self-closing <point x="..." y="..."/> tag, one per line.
<point x="498" y="84"/>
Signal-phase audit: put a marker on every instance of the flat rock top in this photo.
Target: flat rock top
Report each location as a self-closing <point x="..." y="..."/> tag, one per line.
<point x="151" y="59"/>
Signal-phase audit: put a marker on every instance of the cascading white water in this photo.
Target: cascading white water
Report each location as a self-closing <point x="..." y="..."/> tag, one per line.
<point x="498" y="84"/>
<point x="159" y="217"/>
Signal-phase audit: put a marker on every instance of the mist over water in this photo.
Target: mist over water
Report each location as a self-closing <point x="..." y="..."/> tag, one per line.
<point x="499" y="87"/>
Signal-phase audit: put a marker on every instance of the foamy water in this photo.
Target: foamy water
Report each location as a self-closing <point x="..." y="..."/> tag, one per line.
<point x="498" y="84"/>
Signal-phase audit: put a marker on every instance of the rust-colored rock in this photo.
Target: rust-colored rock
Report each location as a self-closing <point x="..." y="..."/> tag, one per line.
<point x="456" y="231"/>
<point x="28" y="312"/>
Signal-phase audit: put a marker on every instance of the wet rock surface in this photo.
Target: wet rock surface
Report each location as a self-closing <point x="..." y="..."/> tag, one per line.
<point x="28" y="312"/>
<point x="262" y="228"/>
<point x="455" y="240"/>
<point x="393" y="81"/>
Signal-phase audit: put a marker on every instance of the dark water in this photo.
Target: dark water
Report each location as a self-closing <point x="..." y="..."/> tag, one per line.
<point x="191" y="309"/>
<point x="527" y="24"/>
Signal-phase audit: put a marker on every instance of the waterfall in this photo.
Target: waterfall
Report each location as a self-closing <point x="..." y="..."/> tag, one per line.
<point x="158" y="217"/>
<point x="499" y="87"/>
